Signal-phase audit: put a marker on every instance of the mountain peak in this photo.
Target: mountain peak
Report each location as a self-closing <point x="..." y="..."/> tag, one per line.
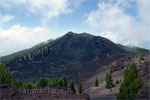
<point x="70" y="33"/>
<point x="79" y="34"/>
<point x="86" y="34"/>
<point x="73" y="49"/>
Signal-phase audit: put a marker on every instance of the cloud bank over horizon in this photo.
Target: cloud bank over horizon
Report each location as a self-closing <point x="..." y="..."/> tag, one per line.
<point x="114" y="22"/>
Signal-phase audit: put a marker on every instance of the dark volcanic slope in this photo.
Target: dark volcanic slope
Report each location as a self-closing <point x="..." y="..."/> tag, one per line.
<point x="75" y="55"/>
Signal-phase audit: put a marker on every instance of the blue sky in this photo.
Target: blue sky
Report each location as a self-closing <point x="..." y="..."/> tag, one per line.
<point x="25" y="23"/>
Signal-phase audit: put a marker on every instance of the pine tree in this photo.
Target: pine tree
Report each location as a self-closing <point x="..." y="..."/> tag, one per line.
<point x="80" y="88"/>
<point x="108" y="80"/>
<point x="131" y="84"/>
<point x="60" y="82"/>
<point x="117" y="82"/>
<point x="64" y="81"/>
<point x="57" y="81"/>
<point x="5" y="75"/>
<point x="96" y="82"/>
<point x="71" y="86"/>
<point x="17" y="84"/>
<point x="43" y="82"/>
<point x="28" y="85"/>
<point x="52" y="83"/>
<point x="140" y="57"/>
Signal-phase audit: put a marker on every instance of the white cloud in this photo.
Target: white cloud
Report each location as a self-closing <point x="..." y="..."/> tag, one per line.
<point x="47" y="8"/>
<point x="113" y="21"/>
<point x="114" y="37"/>
<point x="18" y="38"/>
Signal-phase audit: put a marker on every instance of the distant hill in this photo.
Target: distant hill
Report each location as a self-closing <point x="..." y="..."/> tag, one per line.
<point x="133" y="49"/>
<point x="75" y="55"/>
<point x="16" y="55"/>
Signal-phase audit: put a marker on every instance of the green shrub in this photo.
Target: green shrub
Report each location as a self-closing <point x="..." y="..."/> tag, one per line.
<point x="96" y="82"/>
<point x="117" y="82"/>
<point x="17" y="84"/>
<point x="140" y="57"/>
<point x="52" y="83"/>
<point x="71" y="86"/>
<point x="100" y="98"/>
<point x="55" y="82"/>
<point x="108" y="80"/>
<point x="64" y="81"/>
<point x="60" y="82"/>
<point x="43" y="82"/>
<point x="28" y="85"/>
<point x="5" y="75"/>
<point x="80" y="88"/>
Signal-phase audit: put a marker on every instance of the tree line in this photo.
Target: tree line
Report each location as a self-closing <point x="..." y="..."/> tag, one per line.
<point x="6" y="78"/>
